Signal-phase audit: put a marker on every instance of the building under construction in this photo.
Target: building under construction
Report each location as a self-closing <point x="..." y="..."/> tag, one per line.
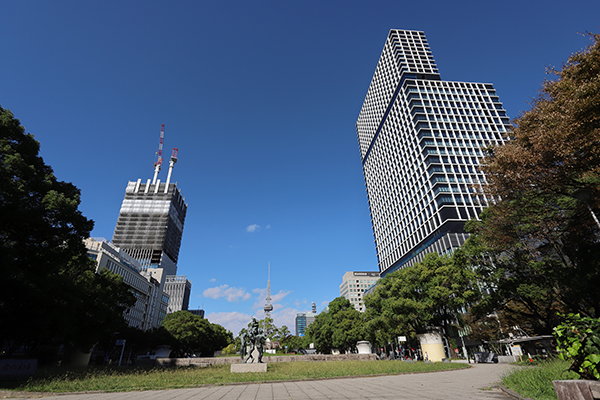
<point x="150" y="225"/>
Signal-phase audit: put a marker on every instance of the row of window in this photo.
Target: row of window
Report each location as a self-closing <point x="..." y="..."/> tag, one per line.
<point x="404" y="203"/>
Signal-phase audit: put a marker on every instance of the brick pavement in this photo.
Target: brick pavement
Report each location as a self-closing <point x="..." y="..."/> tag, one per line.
<point x="473" y="383"/>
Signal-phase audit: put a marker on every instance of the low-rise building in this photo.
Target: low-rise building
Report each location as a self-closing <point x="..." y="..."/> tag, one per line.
<point x="179" y="289"/>
<point x="199" y="312"/>
<point x="151" y="303"/>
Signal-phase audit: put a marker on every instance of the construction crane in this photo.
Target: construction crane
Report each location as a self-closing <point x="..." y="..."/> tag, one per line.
<point x="158" y="163"/>
<point x="171" y="165"/>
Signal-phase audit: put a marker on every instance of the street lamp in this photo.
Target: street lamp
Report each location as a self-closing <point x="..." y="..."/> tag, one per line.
<point x="583" y="195"/>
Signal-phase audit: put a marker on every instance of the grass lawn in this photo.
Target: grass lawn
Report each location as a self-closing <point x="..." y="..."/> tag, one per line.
<point x="535" y="381"/>
<point x="124" y="379"/>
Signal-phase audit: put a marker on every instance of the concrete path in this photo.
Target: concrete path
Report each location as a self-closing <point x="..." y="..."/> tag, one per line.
<point x="472" y="383"/>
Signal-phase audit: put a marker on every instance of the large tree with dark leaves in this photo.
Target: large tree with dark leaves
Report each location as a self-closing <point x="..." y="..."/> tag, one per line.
<point x="433" y="292"/>
<point x="50" y="293"/>
<point x="340" y="327"/>
<point x="193" y="334"/>
<point x="540" y="240"/>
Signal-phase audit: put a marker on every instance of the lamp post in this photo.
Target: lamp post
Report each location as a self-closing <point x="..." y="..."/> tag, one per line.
<point x="583" y="195"/>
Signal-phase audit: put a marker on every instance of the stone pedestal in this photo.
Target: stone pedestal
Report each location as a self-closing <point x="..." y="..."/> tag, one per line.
<point x="253" y="367"/>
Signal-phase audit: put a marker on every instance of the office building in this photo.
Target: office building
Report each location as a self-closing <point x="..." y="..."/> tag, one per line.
<point x="421" y="139"/>
<point x="355" y="284"/>
<point x="150" y="307"/>
<point x="303" y="320"/>
<point x="179" y="290"/>
<point x="199" y="312"/>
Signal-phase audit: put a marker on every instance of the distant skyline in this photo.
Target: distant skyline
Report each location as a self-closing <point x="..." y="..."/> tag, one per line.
<point x="261" y="99"/>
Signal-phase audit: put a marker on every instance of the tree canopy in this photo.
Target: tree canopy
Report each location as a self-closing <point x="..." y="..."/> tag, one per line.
<point x="338" y="328"/>
<point x="51" y="293"/>
<point x="195" y="335"/>
<point x="538" y="244"/>
<point x="432" y="292"/>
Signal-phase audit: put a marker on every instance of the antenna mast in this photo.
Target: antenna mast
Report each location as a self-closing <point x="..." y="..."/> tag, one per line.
<point x="158" y="163"/>
<point x="268" y="306"/>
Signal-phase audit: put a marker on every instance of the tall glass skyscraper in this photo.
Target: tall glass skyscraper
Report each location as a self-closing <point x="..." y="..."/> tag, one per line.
<point x="420" y="142"/>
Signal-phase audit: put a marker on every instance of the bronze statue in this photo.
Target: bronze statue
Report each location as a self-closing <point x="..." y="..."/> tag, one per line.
<point x="252" y="340"/>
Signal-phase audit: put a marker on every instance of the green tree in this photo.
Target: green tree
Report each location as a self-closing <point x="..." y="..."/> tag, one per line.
<point x="42" y="256"/>
<point x="320" y="333"/>
<point x="433" y="292"/>
<point x="269" y="329"/>
<point x="230" y="350"/>
<point x="525" y="290"/>
<point x="539" y="241"/>
<point x="338" y="328"/>
<point x="292" y="343"/>
<point x="283" y="332"/>
<point x="195" y="335"/>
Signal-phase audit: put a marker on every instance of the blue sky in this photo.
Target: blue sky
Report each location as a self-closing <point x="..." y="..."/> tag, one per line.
<point x="261" y="99"/>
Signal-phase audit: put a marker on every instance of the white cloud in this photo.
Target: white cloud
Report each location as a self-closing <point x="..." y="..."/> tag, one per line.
<point x="275" y="298"/>
<point x="252" y="228"/>
<point x="213" y="280"/>
<point x="232" y="321"/>
<point x="300" y="303"/>
<point x="285" y="316"/>
<point x="268" y="226"/>
<point x="230" y="293"/>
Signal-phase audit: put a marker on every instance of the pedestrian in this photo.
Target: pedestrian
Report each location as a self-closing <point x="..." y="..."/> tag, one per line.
<point x="426" y="356"/>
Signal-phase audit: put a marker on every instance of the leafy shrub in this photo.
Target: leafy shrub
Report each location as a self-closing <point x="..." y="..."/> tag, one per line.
<point x="579" y="341"/>
<point x="535" y="380"/>
<point x="230" y="350"/>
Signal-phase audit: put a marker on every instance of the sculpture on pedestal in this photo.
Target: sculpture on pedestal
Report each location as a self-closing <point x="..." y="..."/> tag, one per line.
<point x="252" y="342"/>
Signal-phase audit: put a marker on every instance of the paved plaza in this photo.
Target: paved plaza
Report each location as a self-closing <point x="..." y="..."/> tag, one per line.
<point x="472" y="383"/>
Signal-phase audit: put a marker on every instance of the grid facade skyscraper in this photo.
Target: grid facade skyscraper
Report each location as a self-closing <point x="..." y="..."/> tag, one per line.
<point x="150" y="224"/>
<point x="420" y="141"/>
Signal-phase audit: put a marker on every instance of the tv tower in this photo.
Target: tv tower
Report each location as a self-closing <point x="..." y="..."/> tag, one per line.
<point x="268" y="306"/>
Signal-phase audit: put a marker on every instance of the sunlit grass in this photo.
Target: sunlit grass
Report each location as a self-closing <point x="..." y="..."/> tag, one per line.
<point x="535" y="381"/>
<point x="125" y="379"/>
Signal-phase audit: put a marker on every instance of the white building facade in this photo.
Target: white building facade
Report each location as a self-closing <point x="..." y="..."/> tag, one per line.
<point x="151" y="303"/>
<point x="179" y="290"/>
<point x="421" y="139"/>
<point x="355" y="284"/>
